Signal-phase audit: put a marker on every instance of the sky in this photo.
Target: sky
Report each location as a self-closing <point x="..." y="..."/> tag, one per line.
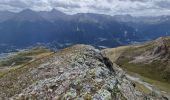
<point x="110" y="7"/>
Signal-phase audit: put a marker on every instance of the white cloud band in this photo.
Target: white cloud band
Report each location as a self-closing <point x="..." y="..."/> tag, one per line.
<point x="111" y="7"/>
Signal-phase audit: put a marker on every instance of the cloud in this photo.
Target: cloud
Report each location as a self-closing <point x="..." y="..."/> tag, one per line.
<point x="163" y="4"/>
<point x="111" y="7"/>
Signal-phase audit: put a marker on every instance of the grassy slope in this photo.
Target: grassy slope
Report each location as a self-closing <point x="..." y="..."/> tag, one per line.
<point x="22" y="76"/>
<point x="11" y="76"/>
<point x="7" y="79"/>
<point x="154" y="70"/>
<point x="152" y="73"/>
<point x="21" y="59"/>
<point x="114" y="53"/>
<point x="146" y="70"/>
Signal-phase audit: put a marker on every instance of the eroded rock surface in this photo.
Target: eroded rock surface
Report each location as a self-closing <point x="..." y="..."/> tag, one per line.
<point x="159" y="51"/>
<point x="80" y="72"/>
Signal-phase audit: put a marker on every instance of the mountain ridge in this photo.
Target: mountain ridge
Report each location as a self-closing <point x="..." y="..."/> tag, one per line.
<point x="77" y="72"/>
<point x="58" y="29"/>
<point x="82" y="28"/>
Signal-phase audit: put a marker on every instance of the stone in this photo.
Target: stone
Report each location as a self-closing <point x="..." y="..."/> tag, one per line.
<point x="78" y="73"/>
<point x="102" y="95"/>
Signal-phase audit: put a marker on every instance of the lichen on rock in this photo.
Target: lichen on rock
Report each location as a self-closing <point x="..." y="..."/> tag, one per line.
<point x="80" y="72"/>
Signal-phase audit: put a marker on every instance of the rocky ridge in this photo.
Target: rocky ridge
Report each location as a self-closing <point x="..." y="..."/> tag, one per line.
<point x="80" y="72"/>
<point x="159" y="51"/>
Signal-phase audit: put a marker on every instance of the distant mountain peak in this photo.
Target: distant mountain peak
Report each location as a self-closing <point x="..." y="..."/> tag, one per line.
<point x="56" y="12"/>
<point x="6" y="11"/>
<point x="27" y="11"/>
<point x="5" y="15"/>
<point x="28" y="15"/>
<point x="53" y="15"/>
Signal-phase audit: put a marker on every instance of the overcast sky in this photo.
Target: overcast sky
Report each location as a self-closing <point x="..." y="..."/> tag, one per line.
<point x="111" y="7"/>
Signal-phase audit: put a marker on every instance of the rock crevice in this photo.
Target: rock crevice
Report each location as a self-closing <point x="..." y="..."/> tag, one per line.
<point x="79" y="72"/>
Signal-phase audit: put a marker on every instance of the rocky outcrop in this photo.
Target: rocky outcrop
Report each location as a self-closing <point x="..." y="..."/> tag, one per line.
<point x="159" y="51"/>
<point x="79" y="72"/>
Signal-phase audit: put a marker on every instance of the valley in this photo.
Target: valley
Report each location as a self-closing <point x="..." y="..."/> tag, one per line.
<point x="55" y="55"/>
<point x="15" y="60"/>
<point x="57" y="29"/>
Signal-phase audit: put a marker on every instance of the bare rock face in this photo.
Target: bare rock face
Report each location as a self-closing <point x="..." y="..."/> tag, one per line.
<point x="77" y="73"/>
<point x="160" y="51"/>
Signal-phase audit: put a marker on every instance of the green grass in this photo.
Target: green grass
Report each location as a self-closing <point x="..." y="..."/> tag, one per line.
<point x="34" y="51"/>
<point x="16" y="60"/>
<point x="114" y="53"/>
<point x="11" y="76"/>
<point x="163" y="86"/>
<point x="154" y="70"/>
<point x="23" y="57"/>
<point x="142" y="88"/>
<point x="156" y="73"/>
<point x="151" y="73"/>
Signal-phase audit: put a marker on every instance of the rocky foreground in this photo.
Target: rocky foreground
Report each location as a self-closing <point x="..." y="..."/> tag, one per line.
<point x="80" y="72"/>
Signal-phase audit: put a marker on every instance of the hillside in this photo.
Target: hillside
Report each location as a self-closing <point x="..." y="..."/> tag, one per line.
<point x="151" y="60"/>
<point x="78" y="72"/>
<point x="18" y="59"/>
<point x="28" y="27"/>
<point x="57" y="29"/>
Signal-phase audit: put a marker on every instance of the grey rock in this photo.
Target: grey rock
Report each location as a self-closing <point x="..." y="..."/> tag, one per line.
<point x="80" y="72"/>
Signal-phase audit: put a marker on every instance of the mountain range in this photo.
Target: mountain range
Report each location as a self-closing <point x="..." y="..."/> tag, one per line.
<point x="56" y="28"/>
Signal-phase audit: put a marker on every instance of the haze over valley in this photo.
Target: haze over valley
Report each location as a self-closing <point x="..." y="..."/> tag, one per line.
<point x="57" y="29"/>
